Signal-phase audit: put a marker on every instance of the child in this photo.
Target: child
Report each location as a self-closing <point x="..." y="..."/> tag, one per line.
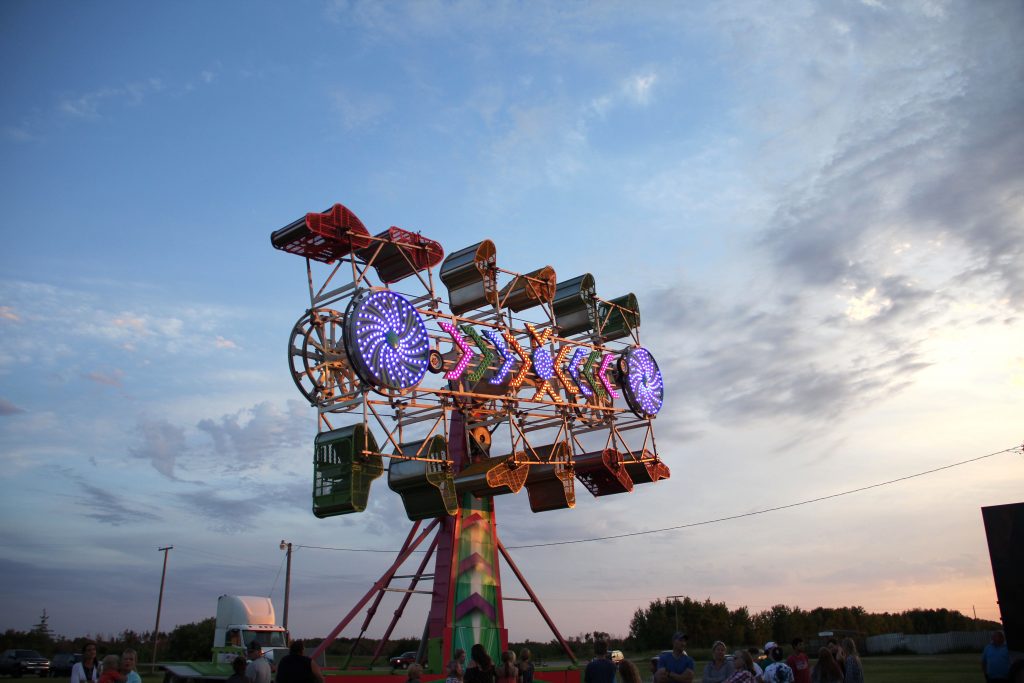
<point x="110" y="670"/>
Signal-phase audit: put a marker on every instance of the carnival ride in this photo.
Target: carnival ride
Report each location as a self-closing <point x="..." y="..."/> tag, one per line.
<point x="524" y="382"/>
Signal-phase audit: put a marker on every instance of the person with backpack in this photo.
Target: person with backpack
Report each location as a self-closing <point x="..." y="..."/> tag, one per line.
<point x="776" y="671"/>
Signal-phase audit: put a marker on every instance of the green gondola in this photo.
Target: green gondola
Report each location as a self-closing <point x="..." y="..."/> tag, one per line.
<point x="342" y="473"/>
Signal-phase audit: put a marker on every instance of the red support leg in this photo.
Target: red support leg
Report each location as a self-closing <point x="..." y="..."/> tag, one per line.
<point x="376" y="587"/>
<point x="535" y="599"/>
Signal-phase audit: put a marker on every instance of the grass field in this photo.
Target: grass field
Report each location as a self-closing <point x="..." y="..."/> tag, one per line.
<point x="958" y="668"/>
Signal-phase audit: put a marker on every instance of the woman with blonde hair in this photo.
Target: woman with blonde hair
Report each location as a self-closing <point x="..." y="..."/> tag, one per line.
<point x="743" y="668"/>
<point x="508" y="672"/>
<point x="852" y="670"/>
<point x="128" y="660"/>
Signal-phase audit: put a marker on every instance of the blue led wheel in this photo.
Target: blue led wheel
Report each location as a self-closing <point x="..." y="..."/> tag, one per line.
<point x="386" y="341"/>
<point x="642" y="383"/>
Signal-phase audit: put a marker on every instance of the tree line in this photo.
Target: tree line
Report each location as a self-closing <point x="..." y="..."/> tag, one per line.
<point x="651" y="628"/>
<point x="705" y="622"/>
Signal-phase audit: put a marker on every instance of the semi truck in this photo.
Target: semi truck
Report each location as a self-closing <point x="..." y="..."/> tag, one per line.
<point x="241" y="619"/>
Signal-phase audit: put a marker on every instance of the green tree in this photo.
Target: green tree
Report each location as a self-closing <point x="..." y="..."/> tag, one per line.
<point x="192" y="642"/>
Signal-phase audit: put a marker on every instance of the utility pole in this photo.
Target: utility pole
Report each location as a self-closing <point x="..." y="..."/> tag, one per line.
<point x="159" y="604"/>
<point x="676" y="599"/>
<point x="287" y="579"/>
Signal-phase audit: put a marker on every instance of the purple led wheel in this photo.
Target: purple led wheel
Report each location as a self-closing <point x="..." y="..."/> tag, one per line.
<point x="386" y="340"/>
<point x="641" y="382"/>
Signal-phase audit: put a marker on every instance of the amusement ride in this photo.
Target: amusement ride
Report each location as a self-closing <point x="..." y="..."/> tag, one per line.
<point x="510" y="381"/>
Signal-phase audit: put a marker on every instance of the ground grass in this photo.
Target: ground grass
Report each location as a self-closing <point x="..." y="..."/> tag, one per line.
<point x="956" y="668"/>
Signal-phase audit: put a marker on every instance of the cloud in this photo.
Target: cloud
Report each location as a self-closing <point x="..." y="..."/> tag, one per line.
<point x="8" y="408"/>
<point x="917" y="150"/>
<point x="257" y="433"/>
<point x="222" y="512"/>
<point x="106" y="506"/>
<point x="8" y="313"/>
<point x="87" y="105"/>
<point x="112" y="379"/>
<point x="359" y="110"/>
<point x="222" y="343"/>
<point x="162" y="444"/>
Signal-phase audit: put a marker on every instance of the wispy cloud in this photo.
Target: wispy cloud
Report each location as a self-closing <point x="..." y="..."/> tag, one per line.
<point x="359" y="110"/>
<point x="8" y="408"/>
<point x="87" y="105"/>
<point x="110" y="379"/>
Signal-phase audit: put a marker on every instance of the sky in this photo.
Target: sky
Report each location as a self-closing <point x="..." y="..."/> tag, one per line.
<point x="820" y="207"/>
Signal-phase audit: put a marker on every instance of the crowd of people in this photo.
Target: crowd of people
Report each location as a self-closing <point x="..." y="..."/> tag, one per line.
<point x="836" y="663"/>
<point x="480" y="668"/>
<point x="112" y="669"/>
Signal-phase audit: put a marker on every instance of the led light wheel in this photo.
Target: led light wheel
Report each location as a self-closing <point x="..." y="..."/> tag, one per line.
<point x="642" y="383"/>
<point x="386" y="341"/>
<point x="316" y="356"/>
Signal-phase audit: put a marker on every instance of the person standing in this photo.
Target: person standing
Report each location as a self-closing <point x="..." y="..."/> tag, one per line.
<point x="679" y="667"/>
<point x="525" y="666"/>
<point x="238" y="669"/>
<point x="481" y="668"/>
<point x="826" y="669"/>
<point x="296" y="667"/>
<point x="128" y="661"/>
<point x="258" y="669"/>
<point x="776" y="671"/>
<point x="799" y="662"/>
<point x="852" y="670"/>
<point x="995" y="659"/>
<point x="600" y="669"/>
<point x="508" y="672"/>
<point x="456" y="667"/>
<point x="719" y="668"/>
<point x="628" y="672"/>
<point x="743" y="664"/>
<point x="87" y="670"/>
<point x="111" y="674"/>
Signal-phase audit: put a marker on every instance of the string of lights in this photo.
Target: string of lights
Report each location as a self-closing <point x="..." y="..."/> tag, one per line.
<point x="689" y="525"/>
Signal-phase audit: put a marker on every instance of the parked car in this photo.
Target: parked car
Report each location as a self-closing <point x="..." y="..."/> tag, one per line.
<point x="403" y="660"/>
<point x="17" y="663"/>
<point x="63" y="662"/>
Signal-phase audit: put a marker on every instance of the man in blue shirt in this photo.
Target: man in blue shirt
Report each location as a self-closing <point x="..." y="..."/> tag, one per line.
<point x="679" y="667"/>
<point x="995" y="659"/>
<point x="600" y="669"/>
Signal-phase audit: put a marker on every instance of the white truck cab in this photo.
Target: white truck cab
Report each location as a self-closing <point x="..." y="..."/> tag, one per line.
<point x="242" y="619"/>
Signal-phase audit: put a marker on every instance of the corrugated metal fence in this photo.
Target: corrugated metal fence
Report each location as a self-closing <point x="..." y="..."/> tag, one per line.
<point x="929" y="644"/>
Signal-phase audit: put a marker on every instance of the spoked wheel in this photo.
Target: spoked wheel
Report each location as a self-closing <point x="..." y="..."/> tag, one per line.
<point x="316" y="356"/>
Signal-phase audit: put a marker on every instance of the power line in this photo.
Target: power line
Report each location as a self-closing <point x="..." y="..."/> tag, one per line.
<point x="1018" y="449"/>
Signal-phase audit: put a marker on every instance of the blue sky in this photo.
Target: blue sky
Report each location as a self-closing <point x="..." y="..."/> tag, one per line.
<point x="819" y="206"/>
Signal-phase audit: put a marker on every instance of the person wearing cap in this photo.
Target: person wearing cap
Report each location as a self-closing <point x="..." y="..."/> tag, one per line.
<point x="258" y="669"/>
<point x="678" y="666"/>
<point x="776" y="670"/>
